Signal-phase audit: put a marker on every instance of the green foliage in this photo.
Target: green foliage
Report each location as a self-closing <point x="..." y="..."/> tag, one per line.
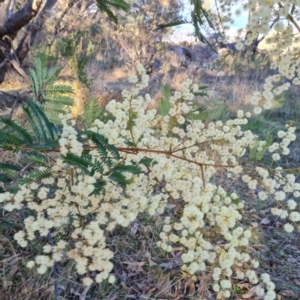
<point x="117" y="175"/>
<point x="44" y="130"/>
<point x="164" y="104"/>
<point x="8" y="172"/>
<point x="106" y="6"/>
<point x="173" y="23"/>
<point x="38" y="159"/>
<point x="38" y="134"/>
<point x="41" y="133"/>
<point x="19" y="132"/>
<point x="258" y="152"/>
<point x="103" y="147"/>
<point x="92" y="112"/>
<point x="35" y="176"/>
<point x="198" y="113"/>
<point x="55" y="98"/>
<point x="71" y="47"/>
<point x="199" y="18"/>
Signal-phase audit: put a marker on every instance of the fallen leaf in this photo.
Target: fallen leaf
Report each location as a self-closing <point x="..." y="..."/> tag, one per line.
<point x="288" y="293"/>
<point x="255" y="216"/>
<point x="148" y="256"/>
<point x="135" y="266"/>
<point x="265" y="221"/>
<point x="125" y="286"/>
<point x="171" y="265"/>
<point x="264" y="211"/>
<point x="134" y="228"/>
<point x="192" y="288"/>
<point x="254" y="224"/>
<point x="297" y="282"/>
<point x="243" y="285"/>
<point x="258" y="246"/>
<point x="250" y="293"/>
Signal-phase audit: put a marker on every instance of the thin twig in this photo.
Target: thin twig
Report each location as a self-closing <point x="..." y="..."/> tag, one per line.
<point x="179" y="208"/>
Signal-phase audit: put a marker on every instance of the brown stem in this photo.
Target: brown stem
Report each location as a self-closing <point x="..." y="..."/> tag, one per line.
<point x="290" y="18"/>
<point x="179" y="208"/>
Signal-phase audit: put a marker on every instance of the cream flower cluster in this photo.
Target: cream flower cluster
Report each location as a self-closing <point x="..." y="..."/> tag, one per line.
<point x="185" y="157"/>
<point x="68" y="141"/>
<point x="279" y="22"/>
<point x="268" y="292"/>
<point x="204" y="206"/>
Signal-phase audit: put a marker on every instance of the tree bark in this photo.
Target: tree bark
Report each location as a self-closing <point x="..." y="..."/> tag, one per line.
<point x="21" y="18"/>
<point x="32" y="14"/>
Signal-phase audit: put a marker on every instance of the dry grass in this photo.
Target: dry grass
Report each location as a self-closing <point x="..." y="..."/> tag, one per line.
<point x="143" y="270"/>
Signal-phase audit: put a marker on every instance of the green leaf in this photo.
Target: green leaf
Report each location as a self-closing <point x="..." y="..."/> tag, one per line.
<point x="59" y="89"/>
<point x="128" y="168"/>
<point x="7" y="139"/>
<point x="79" y="162"/>
<point x="130" y="143"/>
<point x="148" y="162"/>
<point x="173" y="23"/>
<point x="118" y="4"/>
<point x="34" y="83"/>
<point x="41" y="125"/>
<point x="164" y="104"/>
<point x="118" y="178"/>
<point x="61" y="100"/>
<point x="17" y="129"/>
<point x="37" y="159"/>
<point x="105" y="5"/>
<point x="52" y="75"/>
<point x="5" y="179"/>
<point x="102" y="145"/>
<point x="5" y="166"/>
<point x="199" y="113"/>
<point x="99" y="187"/>
<point x="92" y="112"/>
<point x="197" y="116"/>
<point x="35" y="176"/>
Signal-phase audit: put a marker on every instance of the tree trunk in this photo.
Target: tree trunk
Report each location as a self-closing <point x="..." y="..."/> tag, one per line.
<point x="32" y="15"/>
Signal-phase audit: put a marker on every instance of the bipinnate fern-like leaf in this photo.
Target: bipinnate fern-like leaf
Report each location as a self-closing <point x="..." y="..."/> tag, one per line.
<point x="173" y="23"/>
<point x="41" y="125"/>
<point x="89" y="166"/>
<point x="199" y="18"/>
<point x="257" y="152"/>
<point x="198" y="113"/>
<point x="117" y="175"/>
<point x="7" y="166"/>
<point x="36" y="176"/>
<point x="106" y="6"/>
<point x="133" y="169"/>
<point x="56" y="98"/>
<point x="81" y="162"/>
<point x="101" y="142"/>
<point x="38" y="134"/>
<point x="8" y="172"/>
<point x="37" y="159"/>
<point x="4" y="178"/>
<point x="19" y="132"/>
<point x="92" y="112"/>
